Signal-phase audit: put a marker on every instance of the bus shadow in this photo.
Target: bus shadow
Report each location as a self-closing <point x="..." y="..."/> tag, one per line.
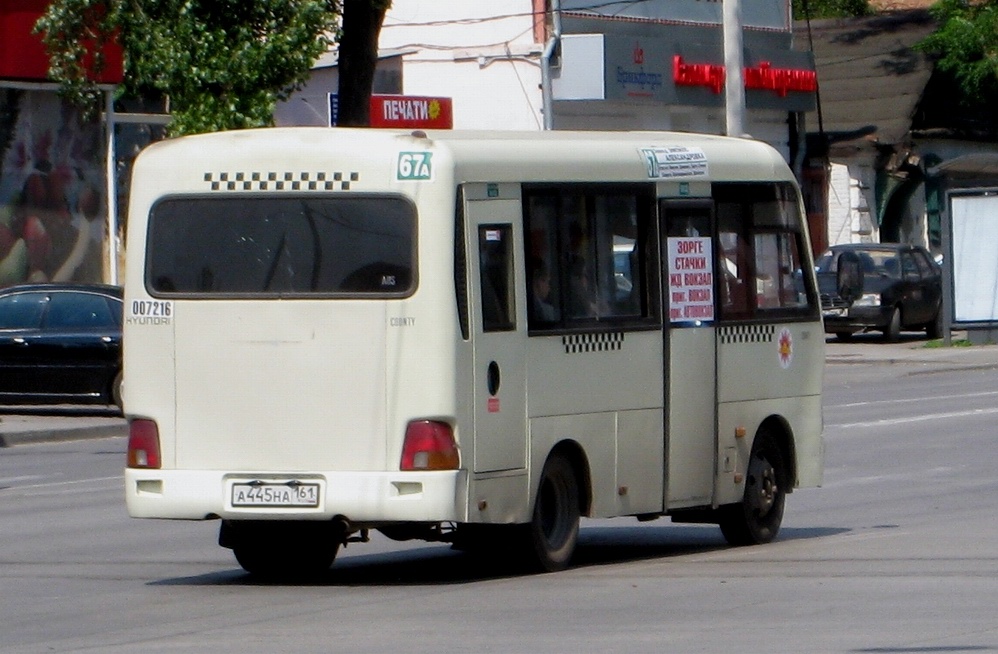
<point x="440" y="565"/>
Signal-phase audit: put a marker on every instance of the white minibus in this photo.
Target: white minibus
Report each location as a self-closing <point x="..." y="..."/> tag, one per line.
<point x="467" y="337"/>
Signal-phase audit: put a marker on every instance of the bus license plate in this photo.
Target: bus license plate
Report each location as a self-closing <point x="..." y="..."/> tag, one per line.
<point x="281" y="495"/>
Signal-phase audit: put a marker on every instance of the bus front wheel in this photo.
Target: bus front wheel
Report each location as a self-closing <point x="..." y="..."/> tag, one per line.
<point x="756" y="519"/>
<point x="554" y="527"/>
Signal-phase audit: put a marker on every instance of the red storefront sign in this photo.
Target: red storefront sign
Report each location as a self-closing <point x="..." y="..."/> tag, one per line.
<point x="762" y="76"/>
<point x="411" y="112"/>
<point x="22" y="54"/>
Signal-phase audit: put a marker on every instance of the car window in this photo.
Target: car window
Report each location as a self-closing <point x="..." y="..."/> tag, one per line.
<point x="22" y="310"/>
<point x="927" y="268"/>
<point x="908" y="266"/>
<point x="78" y="310"/>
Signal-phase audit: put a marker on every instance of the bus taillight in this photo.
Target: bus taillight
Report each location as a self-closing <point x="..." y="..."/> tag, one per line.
<point x="143" y="444"/>
<point x="429" y="445"/>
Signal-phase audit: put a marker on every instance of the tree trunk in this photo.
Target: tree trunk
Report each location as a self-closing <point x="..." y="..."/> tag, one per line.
<point x="358" y="57"/>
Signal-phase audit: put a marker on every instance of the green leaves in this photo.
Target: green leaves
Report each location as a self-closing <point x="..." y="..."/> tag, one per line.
<point x="222" y="63"/>
<point x="966" y="44"/>
<point x="829" y="8"/>
<point x="72" y="30"/>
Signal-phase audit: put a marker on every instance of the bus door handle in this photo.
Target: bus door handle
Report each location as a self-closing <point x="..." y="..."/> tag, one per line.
<point x="493" y="378"/>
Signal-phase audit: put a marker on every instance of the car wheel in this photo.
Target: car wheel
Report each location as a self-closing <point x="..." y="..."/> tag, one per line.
<point x="116" y="391"/>
<point x="554" y="528"/>
<point x="757" y="518"/>
<point x="845" y="337"/>
<point x="892" y="332"/>
<point x="934" y="329"/>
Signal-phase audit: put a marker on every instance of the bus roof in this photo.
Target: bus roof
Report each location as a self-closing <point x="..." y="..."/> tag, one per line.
<point x="501" y="156"/>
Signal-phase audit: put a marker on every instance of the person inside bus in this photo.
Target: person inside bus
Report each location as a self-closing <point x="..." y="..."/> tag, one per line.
<point x="540" y="292"/>
<point x="581" y="293"/>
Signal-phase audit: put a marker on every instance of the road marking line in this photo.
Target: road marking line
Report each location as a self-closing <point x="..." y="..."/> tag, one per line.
<point x="922" y="418"/>
<point x="912" y="399"/>
<point x="68" y="483"/>
<point x="9" y="480"/>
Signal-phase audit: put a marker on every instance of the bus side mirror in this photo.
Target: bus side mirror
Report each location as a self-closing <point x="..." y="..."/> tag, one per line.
<point x="850" y="277"/>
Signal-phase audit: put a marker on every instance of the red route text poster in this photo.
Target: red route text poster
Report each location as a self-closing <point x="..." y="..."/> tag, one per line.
<point x="691" y="279"/>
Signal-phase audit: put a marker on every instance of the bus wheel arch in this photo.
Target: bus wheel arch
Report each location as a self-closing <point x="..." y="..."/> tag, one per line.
<point x="768" y="478"/>
<point x="563" y="496"/>
<point x="779" y="430"/>
<point x="576" y="455"/>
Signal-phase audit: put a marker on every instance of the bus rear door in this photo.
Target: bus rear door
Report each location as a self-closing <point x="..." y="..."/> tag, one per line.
<point x="498" y="328"/>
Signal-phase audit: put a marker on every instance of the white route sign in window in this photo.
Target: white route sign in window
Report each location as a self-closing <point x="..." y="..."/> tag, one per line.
<point x="691" y="279"/>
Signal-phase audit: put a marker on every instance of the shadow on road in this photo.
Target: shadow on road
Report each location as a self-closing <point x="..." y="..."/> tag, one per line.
<point x="438" y="564"/>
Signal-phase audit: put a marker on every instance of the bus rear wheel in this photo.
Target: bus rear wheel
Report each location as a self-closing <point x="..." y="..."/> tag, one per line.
<point x="553" y="531"/>
<point x="756" y="519"/>
<point x="282" y="550"/>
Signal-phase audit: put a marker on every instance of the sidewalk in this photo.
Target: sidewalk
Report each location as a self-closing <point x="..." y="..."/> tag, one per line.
<point x="911" y="349"/>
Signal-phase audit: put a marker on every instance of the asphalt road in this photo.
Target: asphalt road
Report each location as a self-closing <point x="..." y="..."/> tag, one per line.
<point x="897" y="552"/>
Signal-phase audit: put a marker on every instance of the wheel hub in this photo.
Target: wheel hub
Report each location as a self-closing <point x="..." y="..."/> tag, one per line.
<point x="762" y="479"/>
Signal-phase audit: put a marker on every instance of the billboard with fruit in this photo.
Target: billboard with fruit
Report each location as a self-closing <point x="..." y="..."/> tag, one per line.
<point x="52" y="207"/>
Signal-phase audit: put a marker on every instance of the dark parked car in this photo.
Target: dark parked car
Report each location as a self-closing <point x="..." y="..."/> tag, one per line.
<point x="901" y="290"/>
<point x="60" y="343"/>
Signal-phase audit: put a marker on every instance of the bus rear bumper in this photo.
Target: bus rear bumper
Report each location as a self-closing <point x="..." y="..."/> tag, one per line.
<point x="360" y="497"/>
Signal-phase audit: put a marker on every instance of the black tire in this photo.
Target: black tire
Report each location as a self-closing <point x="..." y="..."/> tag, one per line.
<point x="844" y="337"/>
<point x="282" y="551"/>
<point x="892" y="332"/>
<point x="553" y="531"/>
<point x="934" y="329"/>
<point x="116" y="392"/>
<point x="757" y="518"/>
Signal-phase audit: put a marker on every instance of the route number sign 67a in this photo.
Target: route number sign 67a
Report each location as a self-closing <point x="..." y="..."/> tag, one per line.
<point x="414" y="166"/>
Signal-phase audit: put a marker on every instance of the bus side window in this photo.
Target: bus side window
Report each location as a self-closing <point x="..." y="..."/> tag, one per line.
<point x="761" y="252"/>
<point x="543" y="287"/>
<point x="733" y="262"/>
<point x="587" y="255"/>
<point x="495" y="261"/>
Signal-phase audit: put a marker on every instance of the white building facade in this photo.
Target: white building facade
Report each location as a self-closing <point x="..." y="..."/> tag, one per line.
<point x="561" y="64"/>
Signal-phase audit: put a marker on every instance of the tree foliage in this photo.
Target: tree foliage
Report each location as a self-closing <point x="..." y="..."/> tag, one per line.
<point x="223" y="64"/>
<point x="966" y="45"/>
<point x="829" y="8"/>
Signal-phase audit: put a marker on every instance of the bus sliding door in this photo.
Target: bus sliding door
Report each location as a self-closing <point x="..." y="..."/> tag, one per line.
<point x="690" y="361"/>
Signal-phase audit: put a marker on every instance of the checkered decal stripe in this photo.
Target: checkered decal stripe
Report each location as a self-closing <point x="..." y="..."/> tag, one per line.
<point x="271" y="181"/>
<point x="748" y="334"/>
<point x="578" y="343"/>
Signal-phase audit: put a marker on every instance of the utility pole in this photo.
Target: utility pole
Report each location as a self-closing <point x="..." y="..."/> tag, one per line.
<point x="734" y="85"/>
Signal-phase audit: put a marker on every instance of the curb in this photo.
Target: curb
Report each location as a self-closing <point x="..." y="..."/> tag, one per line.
<point x="61" y="435"/>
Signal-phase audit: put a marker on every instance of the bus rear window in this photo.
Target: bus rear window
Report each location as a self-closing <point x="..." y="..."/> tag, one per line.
<point x="281" y="246"/>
